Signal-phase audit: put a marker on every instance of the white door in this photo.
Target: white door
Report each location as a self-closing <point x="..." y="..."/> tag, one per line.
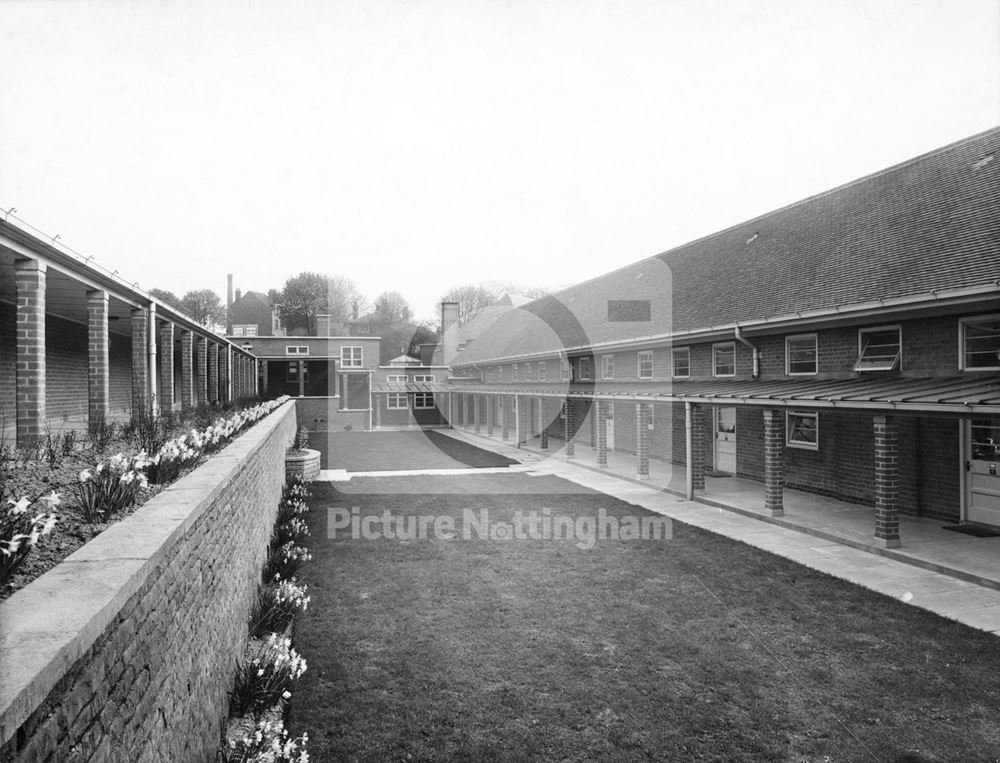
<point x="609" y="422"/>
<point x="983" y="471"/>
<point x="725" y="440"/>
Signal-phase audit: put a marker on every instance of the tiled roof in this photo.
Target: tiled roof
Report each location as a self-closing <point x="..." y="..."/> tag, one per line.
<point x="927" y="224"/>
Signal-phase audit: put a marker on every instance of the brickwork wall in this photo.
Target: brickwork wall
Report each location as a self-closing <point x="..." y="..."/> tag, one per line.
<point x="156" y="660"/>
<point x="322" y="413"/>
<point x="66" y="376"/>
<point x="8" y="368"/>
<point x="121" y="374"/>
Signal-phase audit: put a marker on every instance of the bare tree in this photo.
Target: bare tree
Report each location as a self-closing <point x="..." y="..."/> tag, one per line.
<point x="471" y="300"/>
<point x="204" y="306"/>
<point x="392" y="307"/>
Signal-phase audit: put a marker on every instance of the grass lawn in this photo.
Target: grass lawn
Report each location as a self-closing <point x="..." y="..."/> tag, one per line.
<point x="694" y="648"/>
<point x="415" y="449"/>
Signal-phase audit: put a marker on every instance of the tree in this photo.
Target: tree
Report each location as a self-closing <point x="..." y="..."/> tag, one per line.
<point x="166" y="296"/>
<point x="204" y="306"/>
<point x="310" y="294"/>
<point x="471" y="300"/>
<point x="392" y="307"/>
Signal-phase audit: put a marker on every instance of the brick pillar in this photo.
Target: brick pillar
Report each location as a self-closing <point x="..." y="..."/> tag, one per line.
<point x="774" y="461"/>
<point x="504" y="419"/>
<point x="518" y="428"/>
<point x="98" y="343"/>
<point x="886" y="480"/>
<point x="224" y="373"/>
<point x="490" y="411"/>
<point x="476" y="413"/>
<point x="264" y="381"/>
<point x="166" y="367"/>
<point x="695" y="436"/>
<point x="602" y="433"/>
<point x="642" y="440"/>
<point x="213" y="372"/>
<point x="187" y="370"/>
<point x="570" y="447"/>
<point x="140" y="361"/>
<point x="543" y="413"/>
<point x="201" y="368"/>
<point x="29" y="285"/>
<point x="237" y="376"/>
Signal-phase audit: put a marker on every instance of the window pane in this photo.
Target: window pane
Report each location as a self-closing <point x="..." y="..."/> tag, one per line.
<point x="645" y="365"/>
<point x="682" y="362"/>
<point x="725" y="360"/>
<point x="802" y="355"/>
<point x="982" y="344"/>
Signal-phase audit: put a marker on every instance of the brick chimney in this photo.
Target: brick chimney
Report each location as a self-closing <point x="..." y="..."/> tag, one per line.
<point x="322" y="325"/>
<point x="449" y="331"/>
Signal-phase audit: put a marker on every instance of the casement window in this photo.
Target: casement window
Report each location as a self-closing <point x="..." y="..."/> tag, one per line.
<point x="351" y="357"/>
<point x="542" y="371"/>
<point x="564" y="369"/>
<point x="292" y="373"/>
<point x="296" y="349"/>
<point x="586" y="372"/>
<point x="245" y="329"/>
<point x="607" y="366"/>
<point x="645" y="364"/>
<point x="396" y="378"/>
<point x="681" y="360"/>
<point x="423" y="377"/>
<point x="724" y="359"/>
<point x="515" y="372"/>
<point x="801" y="356"/>
<point x="802" y="430"/>
<point x="491" y="373"/>
<point x="237" y="331"/>
<point x="423" y="400"/>
<point x="527" y="371"/>
<point x="980" y="343"/>
<point x="879" y="349"/>
<point x="396" y="401"/>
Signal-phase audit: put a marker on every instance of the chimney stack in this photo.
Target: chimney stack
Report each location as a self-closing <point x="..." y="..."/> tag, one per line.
<point x="449" y="331"/>
<point x="354" y="310"/>
<point x="322" y="325"/>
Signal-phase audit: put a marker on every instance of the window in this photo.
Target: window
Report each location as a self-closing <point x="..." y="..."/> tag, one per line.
<point x="423" y="400"/>
<point x="491" y="373"/>
<point x="296" y="349"/>
<point x="527" y="371"/>
<point x="350" y="357"/>
<point x="396" y="378"/>
<point x="515" y="373"/>
<point x="644" y="364"/>
<point x="802" y="430"/>
<point x="607" y="366"/>
<point x="423" y="377"/>
<point x="292" y="373"/>
<point x="396" y="401"/>
<point x="724" y="359"/>
<point x="681" y="358"/>
<point x="245" y="329"/>
<point x="981" y="343"/>
<point x="879" y="349"/>
<point x="362" y="328"/>
<point x="586" y="372"/>
<point x="564" y="370"/>
<point x="542" y="370"/>
<point x="237" y="331"/>
<point x="800" y="355"/>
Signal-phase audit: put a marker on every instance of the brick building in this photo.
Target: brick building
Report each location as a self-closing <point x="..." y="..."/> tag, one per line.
<point x="252" y="314"/>
<point x="80" y="345"/>
<point x="847" y="344"/>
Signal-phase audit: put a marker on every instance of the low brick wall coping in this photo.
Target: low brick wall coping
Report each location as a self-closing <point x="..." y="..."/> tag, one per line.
<point x="51" y="623"/>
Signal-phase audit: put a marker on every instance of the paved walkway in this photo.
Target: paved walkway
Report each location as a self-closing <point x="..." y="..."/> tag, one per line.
<point x="954" y="575"/>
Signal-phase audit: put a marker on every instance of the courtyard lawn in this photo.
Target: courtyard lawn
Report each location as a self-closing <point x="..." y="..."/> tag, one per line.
<point x="412" y="449"/>
<point x="692" y="648"/>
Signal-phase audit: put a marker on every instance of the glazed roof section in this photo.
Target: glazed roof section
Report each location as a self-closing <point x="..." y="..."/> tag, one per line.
<point x="927" y="224"/>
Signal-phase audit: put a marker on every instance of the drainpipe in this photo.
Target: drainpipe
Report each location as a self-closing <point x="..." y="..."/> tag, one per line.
<point x="755" y="352"/>
<point x="151" y="336"/>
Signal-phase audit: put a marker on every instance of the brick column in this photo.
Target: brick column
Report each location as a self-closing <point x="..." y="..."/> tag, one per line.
<point x="602" y="433"/>
<point x="166" y="367"/>
<point x="543" y="412"/>
<point x="237" y="376"/>
<point x="201" y="370"/>
<point x="774" y="461"/>
<point x="475" y="413"/>
<point x="504" y="419"/>
<point x="140" y="361"/>
<point x="29" y="285"/>
<point x="224" y="396"/>
<point x="213" y="372"/>
<point x="886" y="481"/>
<point x="98" y="343"/>
<point x="695" y="436"/>
<point x="490" y="411"/>
<point x="570" y="446"/>
<point x="642" y="440"/>
<point x="187" y="370"/>
<point x="518" y="429"/>
<point x="264" y="381"/>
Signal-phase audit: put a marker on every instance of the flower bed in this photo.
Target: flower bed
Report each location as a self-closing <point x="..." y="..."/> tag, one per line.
<point x="91" y="488"/>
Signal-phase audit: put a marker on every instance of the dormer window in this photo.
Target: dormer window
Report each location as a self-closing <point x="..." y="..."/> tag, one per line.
<point x="879" y="349"/>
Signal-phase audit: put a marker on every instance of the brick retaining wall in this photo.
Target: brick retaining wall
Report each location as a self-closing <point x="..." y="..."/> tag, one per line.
<point x="125" y="651"/>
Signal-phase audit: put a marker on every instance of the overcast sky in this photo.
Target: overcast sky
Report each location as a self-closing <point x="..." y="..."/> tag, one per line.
<point x="415" y="146"/>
